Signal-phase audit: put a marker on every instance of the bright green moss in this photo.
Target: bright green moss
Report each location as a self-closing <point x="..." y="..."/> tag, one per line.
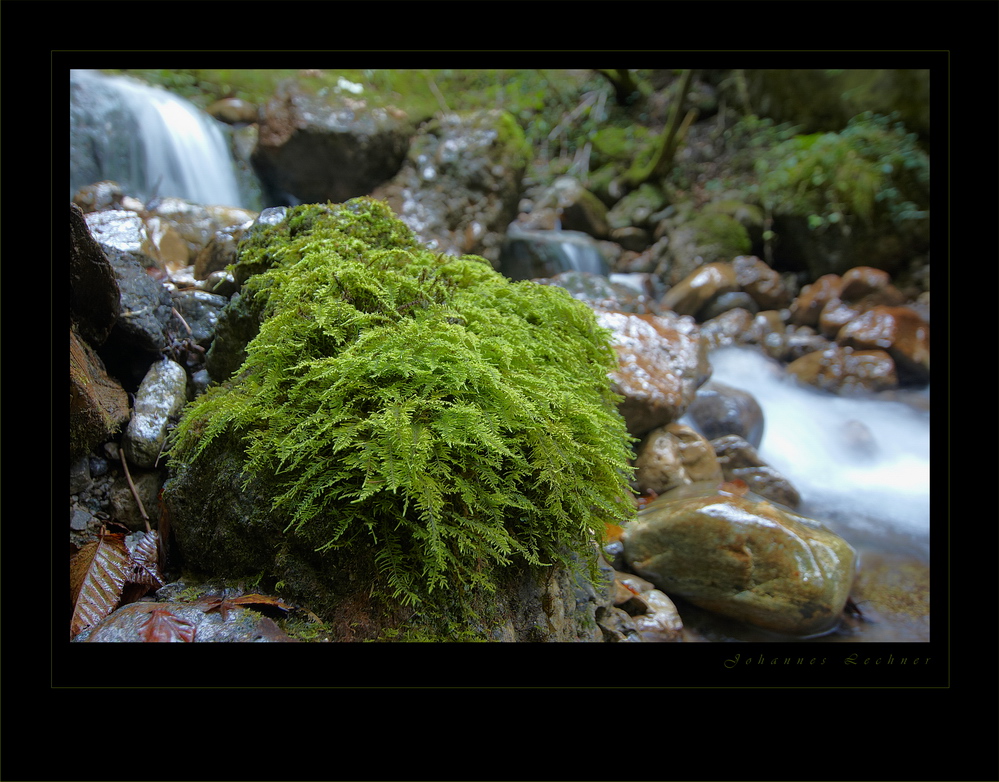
<point x="419" y="403"/>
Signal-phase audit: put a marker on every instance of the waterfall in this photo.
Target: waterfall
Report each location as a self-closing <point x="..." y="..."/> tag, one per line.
<point x="148" y="140"/>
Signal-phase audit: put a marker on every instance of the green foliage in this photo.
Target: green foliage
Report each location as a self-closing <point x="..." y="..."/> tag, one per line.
<point x="870" y="170"/>
<point x="418" y="402"/>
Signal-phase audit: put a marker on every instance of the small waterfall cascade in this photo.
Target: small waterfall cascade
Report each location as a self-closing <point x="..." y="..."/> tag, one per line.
<point x="527" y="254"/>
<point x="876" y="483"/>
<point x="148" y="140"/>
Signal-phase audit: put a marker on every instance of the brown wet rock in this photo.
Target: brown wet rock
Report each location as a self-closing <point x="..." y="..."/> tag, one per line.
<point x="692" y="293"/>
<point x="898" y="330"/>
<point x="870" y="286"/>
<point x="733" y="327"/>
<point x="740" y="462"/>
<point x="98" y="405"/>
<point x="844" y="370"/>
<point x="673" y="455"/>
<point x="836" y="314"/>
<point x="661" y="363"/>
<point x="808" y="305"/>
<point x="761" y="282"/>
<point x="744" y="558"/>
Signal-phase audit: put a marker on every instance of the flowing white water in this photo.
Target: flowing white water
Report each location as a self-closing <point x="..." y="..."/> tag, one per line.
<point x="881" y="490"/>
<point x="148" y="140"/>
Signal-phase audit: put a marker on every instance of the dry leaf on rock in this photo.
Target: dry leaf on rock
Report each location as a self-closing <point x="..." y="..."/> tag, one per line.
<point x="100" y="571"/>
<point x="98" y="574"/>
<point x="161" y="626"/>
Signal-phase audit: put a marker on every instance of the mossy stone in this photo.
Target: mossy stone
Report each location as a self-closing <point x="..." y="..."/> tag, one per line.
<point x="419" y="407"/>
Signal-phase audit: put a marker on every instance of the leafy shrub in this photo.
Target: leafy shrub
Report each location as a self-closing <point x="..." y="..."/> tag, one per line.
<point x="421" y="403"/>
<point x="870" y="170"/>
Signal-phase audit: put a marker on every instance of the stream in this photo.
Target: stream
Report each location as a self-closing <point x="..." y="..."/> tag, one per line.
<point x="872" y="490"/>
<point x="875" y="492"/>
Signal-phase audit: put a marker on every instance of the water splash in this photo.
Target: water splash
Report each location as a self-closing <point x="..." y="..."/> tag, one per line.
<point x="148" y="140"/>
<point x="861" y="463"/>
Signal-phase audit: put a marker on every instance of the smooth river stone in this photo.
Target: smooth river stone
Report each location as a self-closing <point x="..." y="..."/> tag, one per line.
<point x="733" y="553"/>
<point x="162" y="394"/>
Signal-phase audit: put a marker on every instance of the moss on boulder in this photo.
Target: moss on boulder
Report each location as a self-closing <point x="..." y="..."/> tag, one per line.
<point x="419" y="414"/>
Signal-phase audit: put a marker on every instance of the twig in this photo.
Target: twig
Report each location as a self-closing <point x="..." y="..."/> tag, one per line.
<point x="181" y="319"/>
<point x="135" y="493"/>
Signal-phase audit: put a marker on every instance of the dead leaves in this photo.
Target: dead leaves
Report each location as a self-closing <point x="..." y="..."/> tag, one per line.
<point x="161" y="626"/>
<point x="224" y="603"/>
<point x="100" y="571"/>
<point x="117" y="570"/>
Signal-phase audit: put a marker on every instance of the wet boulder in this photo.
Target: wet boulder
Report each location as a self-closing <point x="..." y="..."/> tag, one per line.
<point x="459" y="185"/>
<point x="690" y="295"/>
<point x="740" y="461"/>
<point x="317" y="148"/>
<point x="98" y="405"/>
<point x="869" y="286"/>
<point x="725" y="302"/>
<point x="161" y="395"/>
<point x="94" y="296"/>
<point x="845" y="370"/>
<point x="808" y="305"/>
<point x="899" y="331"/>
<point x="661" y="364"/>
<point x="761" y="282"/>
<point x="719" y="409"/>
<point x="743" y="557"/>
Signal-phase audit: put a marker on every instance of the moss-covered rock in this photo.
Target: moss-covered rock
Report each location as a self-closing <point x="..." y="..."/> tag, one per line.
<point x="404" y="422"/>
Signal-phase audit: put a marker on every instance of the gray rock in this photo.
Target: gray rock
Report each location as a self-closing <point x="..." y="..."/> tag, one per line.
<point x="720" y="410"/>
<point x="317" y="148"/>
<point x="184" y="622"/>
<point x="162" y="394"/>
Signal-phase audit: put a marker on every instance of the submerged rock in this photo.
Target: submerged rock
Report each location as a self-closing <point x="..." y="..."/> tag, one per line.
<point x="743" y="557"/>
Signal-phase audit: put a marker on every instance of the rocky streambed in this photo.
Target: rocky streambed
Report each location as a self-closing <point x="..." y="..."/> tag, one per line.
<point x="722" y="541"/>
<point x="720" y="508"/>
